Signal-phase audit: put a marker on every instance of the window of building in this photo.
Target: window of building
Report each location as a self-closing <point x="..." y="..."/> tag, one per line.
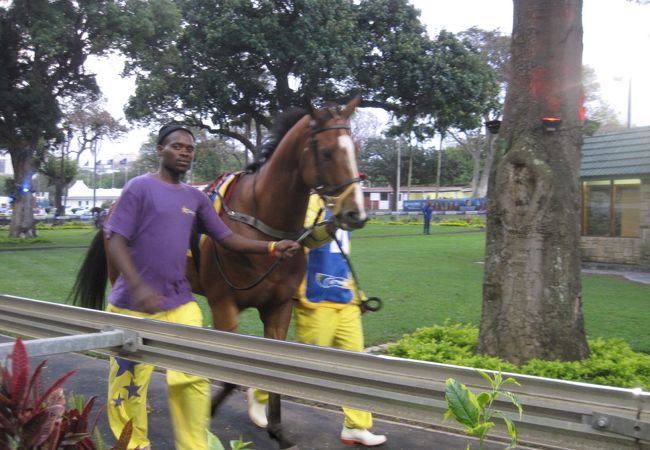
<point x="611" y="208"/>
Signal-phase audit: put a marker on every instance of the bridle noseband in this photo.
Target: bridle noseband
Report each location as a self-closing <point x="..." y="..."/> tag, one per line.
<point x="328" y="193"/>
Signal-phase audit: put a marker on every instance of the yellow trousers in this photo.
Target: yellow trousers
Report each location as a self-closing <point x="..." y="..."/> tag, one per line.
<point x="188" y="395"/>
<point x="331" y="327"/>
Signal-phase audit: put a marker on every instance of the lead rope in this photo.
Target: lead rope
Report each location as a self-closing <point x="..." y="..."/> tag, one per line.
<point x="275" y="264"/>
<point x="371" y="304"/>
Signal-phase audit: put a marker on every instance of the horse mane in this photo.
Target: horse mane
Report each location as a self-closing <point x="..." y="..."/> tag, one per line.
<point x="281" y="126"/>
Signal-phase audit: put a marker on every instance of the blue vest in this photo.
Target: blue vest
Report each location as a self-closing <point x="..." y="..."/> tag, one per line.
<point x="328" y="273"/>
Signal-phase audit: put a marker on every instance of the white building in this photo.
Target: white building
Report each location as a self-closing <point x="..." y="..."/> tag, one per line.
<point x="81" y="195"/>
<point x="5" y="164"/>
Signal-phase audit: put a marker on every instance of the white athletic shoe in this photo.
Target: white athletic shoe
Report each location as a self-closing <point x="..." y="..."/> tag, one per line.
<point x="363" y="437"/>
<point x="256" y="410"/>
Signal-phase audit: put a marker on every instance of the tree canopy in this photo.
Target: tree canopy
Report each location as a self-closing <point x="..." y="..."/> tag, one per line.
<point x="228" y="65"/>
<point x="44" y="46"/>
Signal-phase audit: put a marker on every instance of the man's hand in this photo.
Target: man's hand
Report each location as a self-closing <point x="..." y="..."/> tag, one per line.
<point x="146" y="299"/>
<point x="286" y="249"/>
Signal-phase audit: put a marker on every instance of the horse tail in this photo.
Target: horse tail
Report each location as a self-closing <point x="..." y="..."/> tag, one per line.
<point x="89" y="288"/>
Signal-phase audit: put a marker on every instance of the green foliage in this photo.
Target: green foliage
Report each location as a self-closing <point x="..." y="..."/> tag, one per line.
<point x="475" y="412"/>
<point x="51" y="168"/>
<point x="240" y="444"/>
<point x="190" y="66"/>
<point x="612" y="361"/>
<point x="236" y="444"/>
<point x="6" y="185"/>
<point x="44" y="46"/>
<point x="472" y="222"/>
<point x="9" y="241"/>
<point x="379" y="160"/>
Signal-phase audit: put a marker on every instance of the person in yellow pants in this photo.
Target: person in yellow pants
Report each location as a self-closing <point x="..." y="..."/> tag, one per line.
<point x="188" y="395"/>
<point x="146" y="238"/>
<point x="327" y="313"/>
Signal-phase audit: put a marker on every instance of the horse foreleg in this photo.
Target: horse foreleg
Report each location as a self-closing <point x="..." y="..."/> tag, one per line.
<point x="219" y="397"/>
<point x="276" y="323"/>
<point x="275" y="423"/>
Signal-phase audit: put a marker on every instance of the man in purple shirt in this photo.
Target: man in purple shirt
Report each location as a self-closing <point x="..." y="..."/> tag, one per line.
<point x="147" y="235"/>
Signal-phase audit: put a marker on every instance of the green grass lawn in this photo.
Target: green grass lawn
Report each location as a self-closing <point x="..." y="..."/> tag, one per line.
<point x="422" y="280"/>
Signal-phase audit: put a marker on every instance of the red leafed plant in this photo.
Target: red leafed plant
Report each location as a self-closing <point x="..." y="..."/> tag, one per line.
<point x="33" y="419"/>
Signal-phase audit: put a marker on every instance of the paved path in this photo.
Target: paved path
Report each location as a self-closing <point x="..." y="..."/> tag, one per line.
<point x="312" y="428"/>
<point x="638" y="277"/>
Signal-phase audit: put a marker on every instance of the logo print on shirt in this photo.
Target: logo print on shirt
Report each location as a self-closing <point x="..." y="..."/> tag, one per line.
<point x="328" y="281"/>
<point x="187" y="210"/>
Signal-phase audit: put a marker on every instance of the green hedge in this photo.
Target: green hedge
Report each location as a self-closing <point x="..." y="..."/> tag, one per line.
<point x="22" y="242"/>
<point x="74" y="225"/>
<point x="612" y="361"/>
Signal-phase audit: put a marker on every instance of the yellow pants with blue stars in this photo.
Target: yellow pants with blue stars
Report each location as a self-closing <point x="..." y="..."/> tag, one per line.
<point x="188" y="395"/>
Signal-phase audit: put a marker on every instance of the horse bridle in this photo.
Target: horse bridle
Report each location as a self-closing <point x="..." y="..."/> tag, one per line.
<point x="327" y="193"/>
<point x="332" y="201"/>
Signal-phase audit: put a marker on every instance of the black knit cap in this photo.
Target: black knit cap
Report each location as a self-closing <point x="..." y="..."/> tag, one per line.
<point x="166" y="130"/>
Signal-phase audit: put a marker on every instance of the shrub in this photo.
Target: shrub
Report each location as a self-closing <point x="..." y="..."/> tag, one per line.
<point x="31" y="417"/>
<point x="21" y="241"/>
<point x="612" y="361"/>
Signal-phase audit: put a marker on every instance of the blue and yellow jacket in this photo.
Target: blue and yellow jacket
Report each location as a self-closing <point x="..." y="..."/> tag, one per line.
<point x="328" y="282"/>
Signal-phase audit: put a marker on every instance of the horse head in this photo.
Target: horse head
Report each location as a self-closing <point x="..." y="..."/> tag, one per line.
<point x="330" y="164"/>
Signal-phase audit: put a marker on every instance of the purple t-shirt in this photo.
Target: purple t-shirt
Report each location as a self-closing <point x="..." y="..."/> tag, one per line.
<point x="157" y="218"/>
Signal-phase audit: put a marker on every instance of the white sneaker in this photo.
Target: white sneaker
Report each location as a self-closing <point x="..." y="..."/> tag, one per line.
<point x="363" y="437"/>
<point x="256" y="410"/>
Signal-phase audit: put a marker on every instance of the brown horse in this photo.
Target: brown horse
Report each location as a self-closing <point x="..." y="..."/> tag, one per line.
<point x="314" y="152"/>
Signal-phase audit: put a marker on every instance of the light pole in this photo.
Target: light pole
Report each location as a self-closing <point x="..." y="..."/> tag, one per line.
<point x="399" y="167"/>
<point x="629" y="102"/>
<point x="629" y="99"/>
<point x="94" y="150"/>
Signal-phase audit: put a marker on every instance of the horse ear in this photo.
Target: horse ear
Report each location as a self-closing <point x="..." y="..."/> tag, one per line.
<point x="311" y="108"/>
<point x="351" y="107"/>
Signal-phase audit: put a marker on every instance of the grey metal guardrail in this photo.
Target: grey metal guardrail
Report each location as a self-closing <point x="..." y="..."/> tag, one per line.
<point x="557" y="414"/>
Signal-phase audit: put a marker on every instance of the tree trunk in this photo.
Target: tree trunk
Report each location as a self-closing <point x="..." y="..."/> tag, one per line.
<point x="22" y="218"/>
<point x="476" y="172"/>
<point x="532" y="292"/>
<point x="481" y="189"/>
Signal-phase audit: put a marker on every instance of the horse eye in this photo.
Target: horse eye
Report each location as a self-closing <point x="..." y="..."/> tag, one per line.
<point x="328" y="155"/>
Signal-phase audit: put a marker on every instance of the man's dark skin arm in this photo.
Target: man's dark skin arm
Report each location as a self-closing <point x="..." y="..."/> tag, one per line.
<point x="235" y="242"/>
<point x="144" y="296"/>
<point x="148" y="299"/>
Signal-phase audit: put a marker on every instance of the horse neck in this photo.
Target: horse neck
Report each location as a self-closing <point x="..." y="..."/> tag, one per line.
<point x="280" y="180"/>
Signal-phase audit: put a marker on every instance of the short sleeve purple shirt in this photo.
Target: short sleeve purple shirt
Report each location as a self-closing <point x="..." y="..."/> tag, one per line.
<point x="157" y="218"/>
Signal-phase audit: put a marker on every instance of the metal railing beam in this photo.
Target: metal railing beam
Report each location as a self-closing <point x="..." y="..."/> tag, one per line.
<point x="557" y="414"/>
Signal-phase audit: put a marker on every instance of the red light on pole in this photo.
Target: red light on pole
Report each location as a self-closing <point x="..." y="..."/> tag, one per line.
<point x="551" y="123"/>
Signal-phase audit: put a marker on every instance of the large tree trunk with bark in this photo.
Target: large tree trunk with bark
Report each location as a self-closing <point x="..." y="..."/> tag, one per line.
<point x="22" y="218"/>
<point x="481" y="189"/>
<point x="531" y="295"/>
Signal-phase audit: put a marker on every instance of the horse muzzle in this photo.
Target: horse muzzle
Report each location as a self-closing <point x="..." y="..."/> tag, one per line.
<point x="351" y="220"/>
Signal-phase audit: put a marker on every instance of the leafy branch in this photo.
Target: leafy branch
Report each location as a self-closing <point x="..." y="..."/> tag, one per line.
<point x="475" y="412"/>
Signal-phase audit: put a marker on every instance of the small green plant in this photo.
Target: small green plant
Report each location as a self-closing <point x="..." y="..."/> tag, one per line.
<point x="239" y="444"/>
<point x="236" y="444"/>
<point x="475" y="412"/>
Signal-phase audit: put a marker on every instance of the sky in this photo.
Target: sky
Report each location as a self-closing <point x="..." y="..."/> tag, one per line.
<point x="616" y="43"/>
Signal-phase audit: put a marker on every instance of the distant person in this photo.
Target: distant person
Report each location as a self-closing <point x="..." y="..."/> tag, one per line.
<point x="427" y="212"/>
<point x="148" y="232"/>
<point x="328" y="314"/>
